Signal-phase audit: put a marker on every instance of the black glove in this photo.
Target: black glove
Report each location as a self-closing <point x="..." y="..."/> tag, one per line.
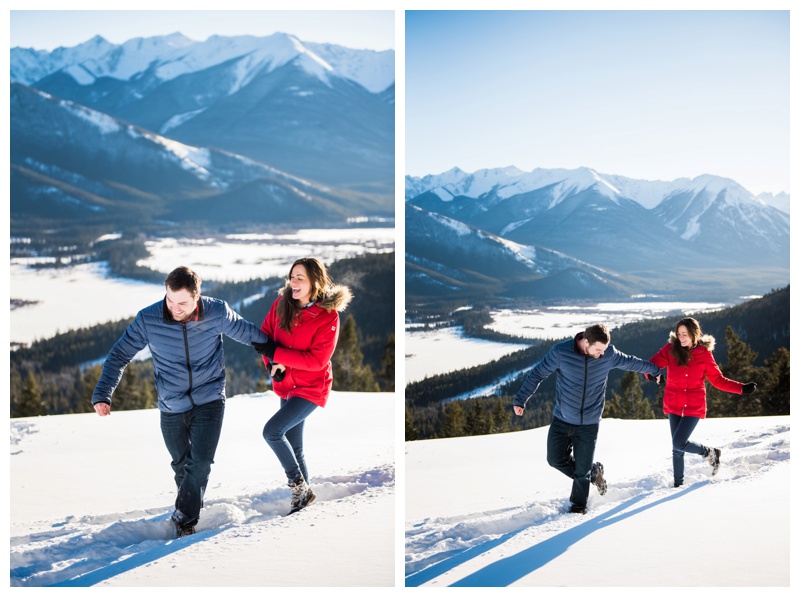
<point x="748" y="388"/>
<point x="655" y="378"/>
<point x="266" y="349"/>
<point x="279" y="374"/>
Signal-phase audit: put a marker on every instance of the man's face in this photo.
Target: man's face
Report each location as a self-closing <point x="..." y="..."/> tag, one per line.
<point x="181" y="303"/>
<point x="596" y="350"/>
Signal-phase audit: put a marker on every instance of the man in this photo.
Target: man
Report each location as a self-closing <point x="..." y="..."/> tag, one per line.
<point x="581" y="365"/>
<point x="184" y="333"/>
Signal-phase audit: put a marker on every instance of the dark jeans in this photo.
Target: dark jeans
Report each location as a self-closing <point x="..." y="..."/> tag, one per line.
<point x="681" y="428"/>
<point x="192" y="439"/>
<point x="284" y="434"/>
<point x="570" y="449"/>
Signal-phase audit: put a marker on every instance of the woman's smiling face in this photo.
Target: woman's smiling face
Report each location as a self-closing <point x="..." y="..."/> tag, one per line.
<point x="301" y="285"/>
<point x="684" y="337"/>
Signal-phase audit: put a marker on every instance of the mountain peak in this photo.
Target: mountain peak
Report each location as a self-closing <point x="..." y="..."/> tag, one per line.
<point x="510" y="181"/>
<point x="175" y="54"/>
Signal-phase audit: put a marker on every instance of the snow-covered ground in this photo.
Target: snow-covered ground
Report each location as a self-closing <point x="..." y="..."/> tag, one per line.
<point x="563" y="321"/>
<point x="90" y="498"/>
<point x="240" y="257"/>
<point x="488" y="510"/>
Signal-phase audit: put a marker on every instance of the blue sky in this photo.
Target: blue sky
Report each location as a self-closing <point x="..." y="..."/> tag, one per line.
<point x="49" y="29"/>
<point x="657" y="95"/>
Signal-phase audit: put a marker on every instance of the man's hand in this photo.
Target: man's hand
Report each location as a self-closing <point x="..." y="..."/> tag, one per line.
<point x="102" y="408"/>
<point x="518" y="410"/>
<point x="266" y="349"/>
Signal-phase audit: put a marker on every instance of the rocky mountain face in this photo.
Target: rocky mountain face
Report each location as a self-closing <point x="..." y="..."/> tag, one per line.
<point x="242" y="127"/>
<point x="703" y="235"/>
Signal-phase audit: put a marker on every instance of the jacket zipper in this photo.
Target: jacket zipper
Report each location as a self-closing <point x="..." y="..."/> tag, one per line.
<point x="188" y="362"/>
<point x="585" y="376"/>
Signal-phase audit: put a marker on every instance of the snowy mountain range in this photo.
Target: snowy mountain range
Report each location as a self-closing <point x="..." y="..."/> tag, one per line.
<point x="318" y="111"/>
<point x="74" y="164"/>
<point x="657" y="235"/>
<point x="471" y="262"/>
<point x="170" y="56"/>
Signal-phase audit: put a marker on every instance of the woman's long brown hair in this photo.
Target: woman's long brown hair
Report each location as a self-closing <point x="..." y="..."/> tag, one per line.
<point x="683" y="355"/>
<point x="288" y="307"/>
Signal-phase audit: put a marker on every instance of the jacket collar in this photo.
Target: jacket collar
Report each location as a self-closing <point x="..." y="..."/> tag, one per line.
<point x="575" y="346"/>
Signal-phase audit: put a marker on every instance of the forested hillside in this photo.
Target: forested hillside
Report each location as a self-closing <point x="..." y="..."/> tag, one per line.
<point x="752" y="345"/>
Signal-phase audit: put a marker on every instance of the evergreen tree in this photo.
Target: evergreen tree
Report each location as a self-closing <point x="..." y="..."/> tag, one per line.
<point x="16" y="385"/>
<point x="411" y="430"/>
<point x="739" y="368"/>
<point x="501" y="417"/>
<point x="349" y="372"/>
<point x="261" y="385"/>
<point x="454" y="419"/>
<point x="631" y="404"/>
<point x="89" y="380"/>
<point x="476" y="422"/>
<point x="774" y="384"/>
<point x="386" y="374"/>
<point x="132" y="393"/>
<point x="30" y="402"/>
<point x="437" y="421"/>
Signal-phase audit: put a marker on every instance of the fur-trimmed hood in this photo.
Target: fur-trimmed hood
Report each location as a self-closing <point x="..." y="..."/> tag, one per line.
<point x="336" y="297"/>
<point x="708" y="342"/>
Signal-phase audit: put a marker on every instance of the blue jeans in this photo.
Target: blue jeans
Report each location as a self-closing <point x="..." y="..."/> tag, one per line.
<point x="284" y="434"/>
<point x="681" y="428"/>
<point x="191" y="438"/>
<point x="570" y="449"/>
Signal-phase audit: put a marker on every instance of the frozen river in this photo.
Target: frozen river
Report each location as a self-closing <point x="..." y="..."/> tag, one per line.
<point x="429" y="352"/>
<point x="57" y="300"/>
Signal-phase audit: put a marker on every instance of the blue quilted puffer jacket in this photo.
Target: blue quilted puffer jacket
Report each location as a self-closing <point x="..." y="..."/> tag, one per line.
<point x="188" y="360"/>
<point x="580" y="380"/>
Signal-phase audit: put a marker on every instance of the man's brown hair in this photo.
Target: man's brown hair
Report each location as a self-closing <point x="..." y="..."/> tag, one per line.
<point x="182" y="278"/>
<point x="597" y="333"/>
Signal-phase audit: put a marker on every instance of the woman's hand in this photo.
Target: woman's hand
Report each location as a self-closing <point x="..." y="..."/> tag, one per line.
<point x="277" y="371"/>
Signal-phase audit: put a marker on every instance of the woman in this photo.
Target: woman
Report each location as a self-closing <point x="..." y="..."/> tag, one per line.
<point x="689" y="362"/>
<point x="303" y="327"/>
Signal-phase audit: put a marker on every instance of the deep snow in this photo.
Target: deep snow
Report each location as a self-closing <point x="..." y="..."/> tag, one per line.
<point x="489" y="511"/>
<point x="90" y="498"/>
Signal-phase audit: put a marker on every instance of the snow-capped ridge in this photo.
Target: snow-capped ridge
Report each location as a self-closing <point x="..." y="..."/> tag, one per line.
<point x="779" y="201"/>
<point x="173" y="55"/>
<point x="510" y="181"/>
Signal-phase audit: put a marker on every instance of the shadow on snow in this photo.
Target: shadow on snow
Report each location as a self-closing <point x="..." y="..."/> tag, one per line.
<point x="509" y="570"/>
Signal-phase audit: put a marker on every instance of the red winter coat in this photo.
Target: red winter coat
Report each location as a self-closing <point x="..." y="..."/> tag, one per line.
<point x="685" y="393"/>
<point x="306" y="351"/>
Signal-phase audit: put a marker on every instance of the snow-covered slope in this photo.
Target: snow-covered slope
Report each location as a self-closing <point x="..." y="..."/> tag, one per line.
<point x="489" y="511"/>
<point x="90" y="498"/>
